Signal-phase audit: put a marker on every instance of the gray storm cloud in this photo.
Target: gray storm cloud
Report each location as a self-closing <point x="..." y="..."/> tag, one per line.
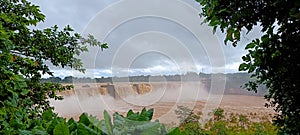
<point x="162" y="16"/>
<point x="170" y="28"/>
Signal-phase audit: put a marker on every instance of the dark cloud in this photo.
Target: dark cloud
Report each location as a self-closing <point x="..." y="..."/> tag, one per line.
<point x="184" y="43"/>
<point x="76" y="13"/>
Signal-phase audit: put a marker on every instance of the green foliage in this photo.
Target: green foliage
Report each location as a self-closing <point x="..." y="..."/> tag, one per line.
<point x="108" y="123"/>
<point x="189" y="121"/>
<point x="192" y="128"/>
<point x="272" y="59"/>
<point x="144" y="116"/>
<point x="61" y="129"/>
<point x="219" y="128"/>
<point x="24" y="104"/>
<point x="218" y="114"/>
<point x="186" y="115"/>
<point x="224" y="124"/>
<point x="175" y="131"/>
<point x="133" y="123"/>
<point x="85" y="125"/>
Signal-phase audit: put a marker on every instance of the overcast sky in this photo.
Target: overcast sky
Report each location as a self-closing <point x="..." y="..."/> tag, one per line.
<point x="145" y="37"/>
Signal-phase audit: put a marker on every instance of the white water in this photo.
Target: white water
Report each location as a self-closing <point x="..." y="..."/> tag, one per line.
<point x="175" y="93"/>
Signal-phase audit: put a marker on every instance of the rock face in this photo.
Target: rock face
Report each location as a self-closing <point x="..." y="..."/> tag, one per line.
<point x="120" y="91"/>
<point x="141" y="88"/>
<point x="103" y="90"/>
<point x="66" y="93"/>
<point x="116" y="91"/>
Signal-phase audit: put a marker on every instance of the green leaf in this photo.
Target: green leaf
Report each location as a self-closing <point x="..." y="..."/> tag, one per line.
<point x="61" y="129"/>
<point x="71" y="121"/>
<point x="85" y="130"/>
<point x="143" y="116"/>
<point x="214" y="29"/>
<point x="84" y="119"/>
<point x="2" y="111"/>
<point x="229" y="37"/>
<point x="47" y="115"/>
<point x="148" y="128"/>
<point x="243" y="67"/>
<point x="25" y="132"/>
<point x="25" y="91"/>
<point x="52" y="125"/>
<point x="14" y="101"/>
<point x="250" y="46"/>
<point x="108" y="123"/>
<point x="39" y="132"/>
<point x="223" y="10"/>
<point x="251" y="69"/>
<point x="174" y="131"/>
<point x="150" y="113"/>
<point x="129" y="113"/>
<point x="265" y="38"/>
<point x="246" y="58"/>
<point x="119" y="120"/>
<point x="237" y="35"/>
<point x="104" y="46"/>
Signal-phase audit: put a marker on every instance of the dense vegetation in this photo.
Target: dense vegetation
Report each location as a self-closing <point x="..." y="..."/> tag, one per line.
<point x="136" y="123"/>
<point x="24" y="104"/>
<point x="273" y="58"/>
<point x="223" y="123"/>
<point x="23" y="52"/>
<point x="132" y="123"/>
<point x="189" y="76"/>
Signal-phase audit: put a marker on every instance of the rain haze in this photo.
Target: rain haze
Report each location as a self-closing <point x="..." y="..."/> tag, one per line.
<point x="149" y="36"/>
<point x="145" y="38"/>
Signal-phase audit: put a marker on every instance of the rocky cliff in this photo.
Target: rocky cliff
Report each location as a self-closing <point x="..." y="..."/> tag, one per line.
<point x="116" y="91"/>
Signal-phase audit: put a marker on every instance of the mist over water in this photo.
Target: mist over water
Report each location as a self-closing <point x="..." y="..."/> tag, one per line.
<point x="163" y="95"/>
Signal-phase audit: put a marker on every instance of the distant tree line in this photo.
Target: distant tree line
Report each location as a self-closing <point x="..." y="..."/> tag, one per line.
<point x="234" y="81"/>
<point x="189" y="76"/>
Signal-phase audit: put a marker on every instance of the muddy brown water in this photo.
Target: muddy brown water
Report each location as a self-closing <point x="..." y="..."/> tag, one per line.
<point x="164" y="98"/>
